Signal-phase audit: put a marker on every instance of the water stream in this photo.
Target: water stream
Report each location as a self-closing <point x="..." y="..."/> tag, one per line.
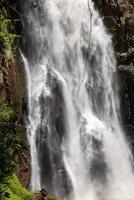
<point x="77" y="146"/>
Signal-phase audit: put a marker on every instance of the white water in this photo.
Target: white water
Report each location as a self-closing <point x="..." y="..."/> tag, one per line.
<point x="95" y="152"/>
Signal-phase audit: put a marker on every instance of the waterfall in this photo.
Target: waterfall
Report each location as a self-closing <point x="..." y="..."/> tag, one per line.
<point x="77" y="145"/>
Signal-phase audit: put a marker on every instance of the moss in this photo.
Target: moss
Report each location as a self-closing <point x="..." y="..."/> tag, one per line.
<point x="16" y="191"/>
<point x="51" y="197"/>
<point x="6" y="112"/>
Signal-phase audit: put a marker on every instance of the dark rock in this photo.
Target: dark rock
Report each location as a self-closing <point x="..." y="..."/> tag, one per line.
<point x="23" y="168"/>
<point x="110" y="22"/>
<point x="126" y="58"/>
<point x="119" y="19"/>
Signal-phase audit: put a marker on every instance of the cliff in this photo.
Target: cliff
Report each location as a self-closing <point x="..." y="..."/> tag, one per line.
<point x="118" y="17"/>
<point x="12" y="83"/>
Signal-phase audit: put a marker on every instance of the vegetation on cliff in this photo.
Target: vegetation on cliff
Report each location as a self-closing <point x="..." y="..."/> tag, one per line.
<point x="7" y="140"/>
<point x="10" y="143"/>
<point x="8" y="34"/>
<point x="16" y="191"/>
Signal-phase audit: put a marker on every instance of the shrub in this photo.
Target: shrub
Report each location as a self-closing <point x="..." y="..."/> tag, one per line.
<point x="16" y="191"/>
<point x="7" y="139"/>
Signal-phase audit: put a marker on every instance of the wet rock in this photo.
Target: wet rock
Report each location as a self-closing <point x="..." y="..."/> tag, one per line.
<point x="119" y="19"/>
<point x="43" y="195"/>
<point x="37" y="196"/>
<point x="110" y="23"/>
<point x="126" y="58"/>
<point x="23" y="168"/>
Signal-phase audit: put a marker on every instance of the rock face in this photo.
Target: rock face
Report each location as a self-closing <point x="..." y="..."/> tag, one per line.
<point x="12" y="82"/>
<point x="9" y="80"/>
<point x="118" y="16"/>
<point x="12" y="90"/>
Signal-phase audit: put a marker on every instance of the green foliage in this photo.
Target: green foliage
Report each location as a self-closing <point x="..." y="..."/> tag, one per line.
<point x="7" y="140"/>
<point x="16" y="191"/>
<point x="9" y="184"/>
<point x="51" y="197"/>
<point x="6" y="113"/>
<point x="7" y="37"/>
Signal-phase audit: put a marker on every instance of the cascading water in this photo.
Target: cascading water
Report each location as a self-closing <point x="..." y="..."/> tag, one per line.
<point x="78" y="149"/>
